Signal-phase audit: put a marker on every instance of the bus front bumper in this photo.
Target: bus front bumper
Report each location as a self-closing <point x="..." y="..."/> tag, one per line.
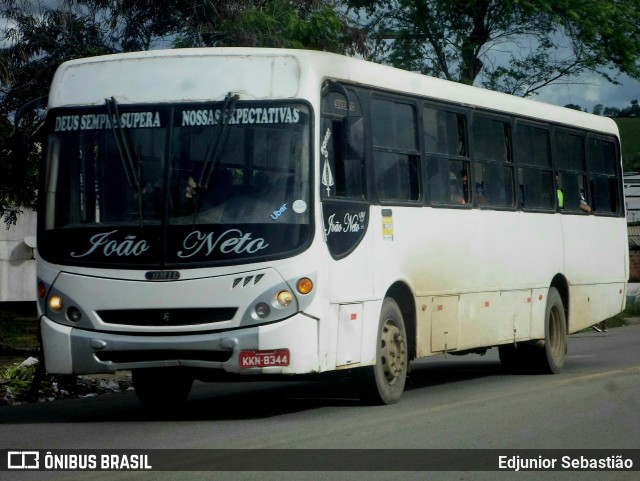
<point x="69" y="350"/>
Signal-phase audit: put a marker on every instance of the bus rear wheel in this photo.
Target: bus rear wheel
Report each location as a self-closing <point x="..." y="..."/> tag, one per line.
<point x="160" y="389"/>
<point x="383" y="383"/>
<point x="549" y="358"/>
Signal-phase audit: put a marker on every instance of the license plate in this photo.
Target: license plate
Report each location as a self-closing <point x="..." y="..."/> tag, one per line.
<point x="277" y="358"/>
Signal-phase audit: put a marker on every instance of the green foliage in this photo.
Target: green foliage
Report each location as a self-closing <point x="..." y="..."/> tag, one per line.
<point x="6" y="130"/>
<point x="573" y="107"/>
<point x="630" y="143"/>
<point x="632" y="310"/>
<point x="280" y="23"/>
<point x="20" y="383"/>
<point x="631" y="111"/>
<point x="311" y="24"/>
<point x="517" y="47"/>
<point x="16" y="381"/>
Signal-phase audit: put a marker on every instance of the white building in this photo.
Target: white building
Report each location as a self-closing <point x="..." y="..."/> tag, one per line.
<point x="17" y="259"/>
<point x="632" y="197"/>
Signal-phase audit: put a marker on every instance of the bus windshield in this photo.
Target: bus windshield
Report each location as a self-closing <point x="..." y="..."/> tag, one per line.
<point x="177" y="184"/>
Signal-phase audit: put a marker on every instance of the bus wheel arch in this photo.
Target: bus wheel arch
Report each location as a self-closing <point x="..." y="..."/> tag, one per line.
<point x="546" y="355"/>
<point x="384" y="381"/>
<point x="402" y="294"/>
<point x="560" y="283"/>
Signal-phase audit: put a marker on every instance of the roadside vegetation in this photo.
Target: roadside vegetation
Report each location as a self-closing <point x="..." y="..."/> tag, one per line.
<point x="22" y="378"/>
<point x="24" y="382"/>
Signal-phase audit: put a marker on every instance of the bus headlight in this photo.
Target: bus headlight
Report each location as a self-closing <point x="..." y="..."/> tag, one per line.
<point x="284" y="298"/>
<point x="55" y="303"/>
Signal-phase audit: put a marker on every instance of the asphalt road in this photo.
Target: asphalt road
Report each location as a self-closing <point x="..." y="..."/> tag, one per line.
<point x="453" y="402"/>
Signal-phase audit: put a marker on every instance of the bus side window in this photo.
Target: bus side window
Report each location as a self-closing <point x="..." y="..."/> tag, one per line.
<point x="601" y="161"/>
<point x="342" y="158"/>
<point x="569" y="154"/>
<point x="533" y="154"/>
<point x="447" y="165"/>
<point x="493" y="163"/>
<point x="396" y="154"/>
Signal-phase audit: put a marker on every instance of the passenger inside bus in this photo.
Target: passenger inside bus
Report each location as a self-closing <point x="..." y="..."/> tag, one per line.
<point x="457" y="189"/>
<point x="571" y="193"/>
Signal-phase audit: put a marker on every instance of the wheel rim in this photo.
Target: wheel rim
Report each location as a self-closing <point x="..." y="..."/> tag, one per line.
<point x="392" y="351"/>
<point x="555" y="339"/>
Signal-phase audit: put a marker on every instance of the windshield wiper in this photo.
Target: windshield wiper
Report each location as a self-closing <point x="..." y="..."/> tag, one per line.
<point x="126" y="151"/>
<point x="215" y="149"/>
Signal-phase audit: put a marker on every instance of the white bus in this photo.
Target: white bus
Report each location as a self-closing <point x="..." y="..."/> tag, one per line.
<point x="208" y="213"/>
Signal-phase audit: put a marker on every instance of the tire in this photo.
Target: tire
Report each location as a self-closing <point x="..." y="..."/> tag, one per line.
<point x="549" y="358"/>
<point x="383" y="383"/>
<point x="160" y="389"/>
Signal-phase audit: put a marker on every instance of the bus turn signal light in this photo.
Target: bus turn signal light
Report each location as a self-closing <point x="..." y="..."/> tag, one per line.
<point x="305" y="285"/>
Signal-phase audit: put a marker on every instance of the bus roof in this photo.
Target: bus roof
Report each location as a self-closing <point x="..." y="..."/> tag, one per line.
<point x="134" y="77"/>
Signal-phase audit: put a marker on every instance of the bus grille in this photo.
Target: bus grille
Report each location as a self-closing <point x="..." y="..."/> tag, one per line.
<point x="167" y="317"/>
<point x="126" y="357"/>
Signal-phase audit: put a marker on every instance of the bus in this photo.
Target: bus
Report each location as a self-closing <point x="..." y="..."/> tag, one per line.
<point x="227" y="213"/>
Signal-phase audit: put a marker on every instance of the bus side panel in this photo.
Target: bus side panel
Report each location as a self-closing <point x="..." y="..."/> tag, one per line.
<point x="350" y="321"/>
<point x="595" y="249"/>
<point x="445" y="323"/>
<point x="423" y="327"/>
<point x="538" y="312"/>
<point x="591" y="304"/>
<point x="596" y="266"/>
<point x="490" y="318"/>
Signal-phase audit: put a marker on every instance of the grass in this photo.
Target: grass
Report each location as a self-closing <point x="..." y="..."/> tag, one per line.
<point x="18" y="328"/>
<point x="632" y="310"/>
<point x="629" y="137"/>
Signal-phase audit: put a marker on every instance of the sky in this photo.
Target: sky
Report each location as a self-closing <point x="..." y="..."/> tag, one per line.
<point x="595" y="90"/>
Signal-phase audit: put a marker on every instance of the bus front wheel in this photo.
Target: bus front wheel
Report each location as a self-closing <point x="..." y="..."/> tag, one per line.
<point x="161" y="389"/>
<point x="383" y="383"/>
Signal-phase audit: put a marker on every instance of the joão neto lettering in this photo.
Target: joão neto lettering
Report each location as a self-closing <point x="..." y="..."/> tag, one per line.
<point x="231" y="241"/>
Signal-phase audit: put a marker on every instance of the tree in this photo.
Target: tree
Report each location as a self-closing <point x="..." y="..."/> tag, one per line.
<point x="311" y="24"/>
<point x="512" y="46"/>
<point x="37" y="42"/>
<point x="598" y="109"/>
<point x="632" y="111"/>
<point x="611" y="112"/>
<point x="573" y="107"/>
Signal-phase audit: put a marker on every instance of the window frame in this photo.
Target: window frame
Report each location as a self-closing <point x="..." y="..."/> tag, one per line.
<point x="430" y="158"/>
<point x="522" y="165"/>
<point x="416" y="154"/>
<point x="614" y="178"/>
<point x="479" y="115"/>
